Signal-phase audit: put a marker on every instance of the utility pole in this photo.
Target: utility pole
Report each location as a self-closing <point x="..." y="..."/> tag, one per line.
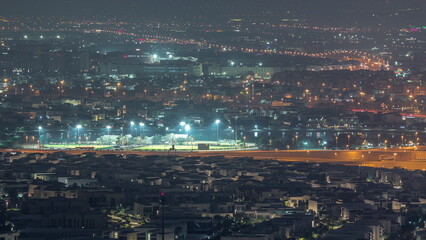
<point x="162" y="215"/>
<point x="236" y="130"/>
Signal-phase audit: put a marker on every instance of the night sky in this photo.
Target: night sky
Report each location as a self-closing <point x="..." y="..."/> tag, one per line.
<point x="197" y="7"/>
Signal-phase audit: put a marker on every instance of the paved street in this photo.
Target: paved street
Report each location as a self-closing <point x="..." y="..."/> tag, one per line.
<point x="390" y="158"/>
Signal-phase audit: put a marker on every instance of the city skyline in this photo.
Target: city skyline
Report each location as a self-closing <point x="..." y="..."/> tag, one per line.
<point x="212" y="120"/>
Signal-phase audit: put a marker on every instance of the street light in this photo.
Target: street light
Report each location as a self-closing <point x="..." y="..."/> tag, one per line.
<point x="187" y="128"/>
<point x="378" y="139"/>
<point x="295" y="142"/>
<point x="109" y="132"/>
<point x="78" y="132"/>
<point x="217" y="130"/>
<point x="141" y="127"/>
<point x="417" y="138"/>
<point x="39" y="136"/>
<point x="131" y="127"/>
<point x="182" y="125"/>
<point x="337" y="138"/>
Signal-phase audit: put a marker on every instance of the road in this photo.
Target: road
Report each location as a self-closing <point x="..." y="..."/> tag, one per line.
<point x="370" y="61"/>
<point x="388" y="158"/>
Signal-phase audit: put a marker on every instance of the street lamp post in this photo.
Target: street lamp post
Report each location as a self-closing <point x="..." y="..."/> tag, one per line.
<point x="349" y="140"/>
<point x="256" y="134"/>
<point x="39" y="136"/>
<point x="68" y="136"/>
<point x="109" y="133"/>
<point x="337" y="138"/>
<point x="417" y="138"/>
<point x="295" y="142"/>
<point x="217" y="129"/>
<point x="378" y="139"/>
<point x="78" y="133"/>
<point x="141" y="129"/>
<point x="187" y="128"/>
<point x="122" y="135"/>
<point x="192" y="144"/>
<point x="167" y="129"/>
<point x="236" y="130"/>
<point x="131" y="127"/>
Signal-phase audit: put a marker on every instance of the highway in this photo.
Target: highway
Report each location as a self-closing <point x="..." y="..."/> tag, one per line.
<point x="388" y="158"/>
<point x="370" y="61"/>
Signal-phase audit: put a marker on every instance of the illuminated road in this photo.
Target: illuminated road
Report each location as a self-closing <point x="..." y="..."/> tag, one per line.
<point x="390" y="158"/>
<point x="369" y="61"/>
